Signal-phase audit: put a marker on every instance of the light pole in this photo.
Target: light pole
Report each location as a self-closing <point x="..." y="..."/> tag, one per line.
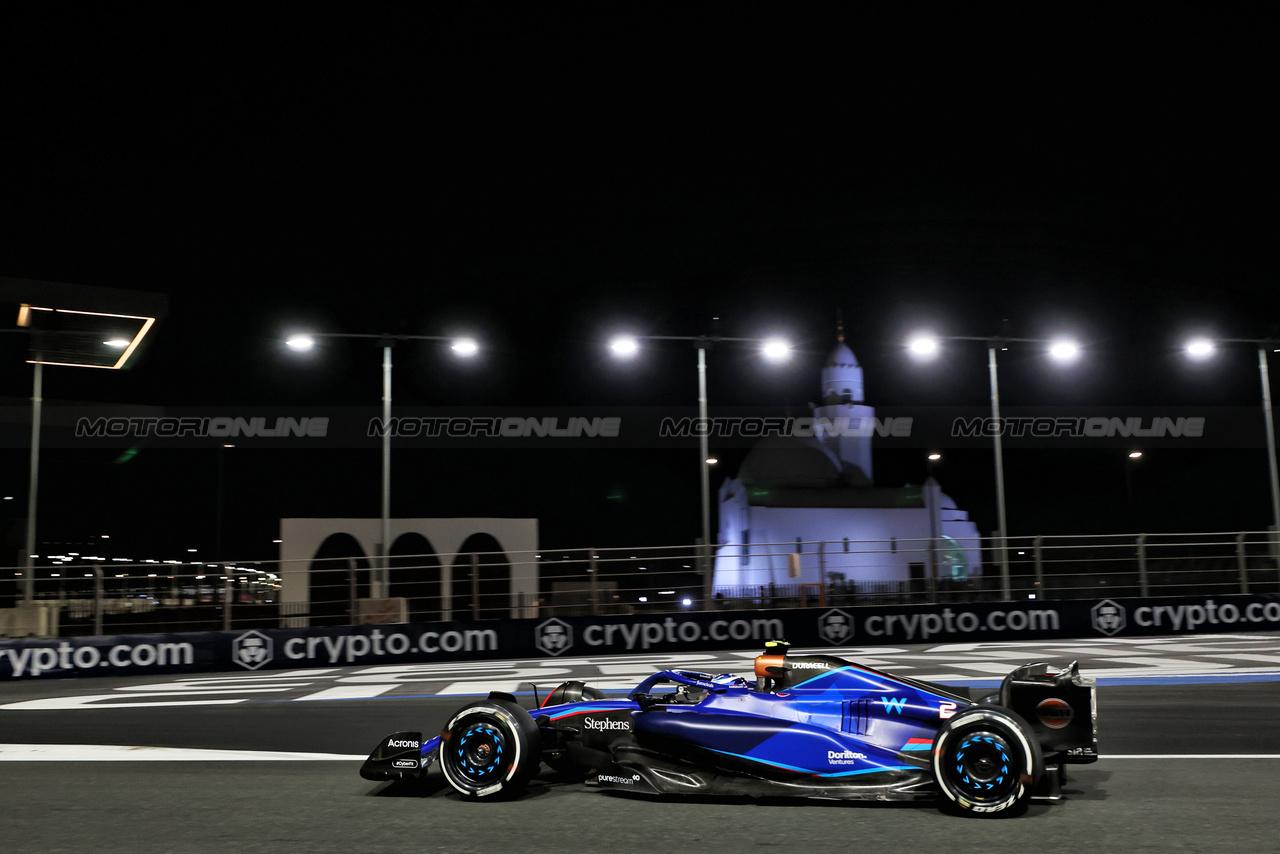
<point x="122" y="332"/>
<point x="1203" y="348"/>
<point x="33" y="485"/>
<point x="930" y="461"/>
<point x="1060" y="349"/>
<point x="464" y="347"/>
<point x="774" y="349"/>
<point x="217" y="527"/>
<point x="1130" y="460"/>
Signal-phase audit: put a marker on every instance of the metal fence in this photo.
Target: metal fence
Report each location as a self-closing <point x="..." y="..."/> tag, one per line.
<point x="116" y="598"/>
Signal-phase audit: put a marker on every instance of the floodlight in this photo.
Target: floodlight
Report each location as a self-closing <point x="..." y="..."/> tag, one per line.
<point x="300" y="343"/>
<point x="1199" y="348"/>
<point x="1064" y="350"/>
<point x="624" y="346"/>
<point x="923" y="345"/>
<point x="465" y="346"/>
<point x="776" y="349"/>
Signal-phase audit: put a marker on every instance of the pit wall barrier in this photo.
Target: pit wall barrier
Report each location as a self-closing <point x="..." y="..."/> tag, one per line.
<point x="573" y="637"/>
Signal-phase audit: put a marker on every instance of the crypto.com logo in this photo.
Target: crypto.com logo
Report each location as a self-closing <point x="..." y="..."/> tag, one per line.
<point x="835" y="627"/>
<point x="251" y="650"/>
<point x="553" y="636"/>
<point x="1108" y="617"/>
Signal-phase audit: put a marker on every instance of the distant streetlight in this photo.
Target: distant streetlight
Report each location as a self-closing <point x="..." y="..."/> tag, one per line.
<point x="923" y="345"/>
<point x="1203" y="348"/>
<point x="1199" y="348"/>
<point x="75" y="354"/>
<point x="928" y="345"/>
<point x="465" y="347"/>
<point x="1063" y="350"/>
<point x="1129" y="463"/>
<point x="774" y="349"/>
<point x="933" y="459"/>
<point x="624" y="346"/>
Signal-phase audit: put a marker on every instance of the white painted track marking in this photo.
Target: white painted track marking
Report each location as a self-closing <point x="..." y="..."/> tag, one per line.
<point x="1193" y="756"/>
<point x="125" y="753"/>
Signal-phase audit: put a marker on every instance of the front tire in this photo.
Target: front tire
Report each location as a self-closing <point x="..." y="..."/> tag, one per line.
<point x="986" y="760"/>
<point x="488" y="748"/>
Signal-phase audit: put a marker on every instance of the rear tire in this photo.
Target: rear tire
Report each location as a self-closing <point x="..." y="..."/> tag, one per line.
<point x="986" y="760"/>
<point x="488" y="748"/>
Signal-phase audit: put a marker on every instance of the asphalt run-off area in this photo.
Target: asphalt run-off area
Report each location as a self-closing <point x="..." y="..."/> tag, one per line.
<point x="269" y="761"/>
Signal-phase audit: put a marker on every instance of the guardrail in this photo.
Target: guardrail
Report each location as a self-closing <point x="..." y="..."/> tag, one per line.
<point x="131" y="598"/>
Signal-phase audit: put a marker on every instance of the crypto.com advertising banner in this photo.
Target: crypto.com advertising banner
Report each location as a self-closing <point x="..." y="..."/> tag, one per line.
<point x="553" y="637"/>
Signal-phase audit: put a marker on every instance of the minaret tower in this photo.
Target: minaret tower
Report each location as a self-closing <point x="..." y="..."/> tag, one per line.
<point x="844" y="422"/>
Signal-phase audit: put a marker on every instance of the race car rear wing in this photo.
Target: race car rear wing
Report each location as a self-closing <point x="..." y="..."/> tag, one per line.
<point x="1060" y="705"/>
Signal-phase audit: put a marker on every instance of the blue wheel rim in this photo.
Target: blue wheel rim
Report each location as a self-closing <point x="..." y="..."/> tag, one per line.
<point x="982" y="767"/>
<point x="479" y="753"/>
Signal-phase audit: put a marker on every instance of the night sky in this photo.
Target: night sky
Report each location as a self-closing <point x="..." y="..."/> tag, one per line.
<point x="541" y="175"/>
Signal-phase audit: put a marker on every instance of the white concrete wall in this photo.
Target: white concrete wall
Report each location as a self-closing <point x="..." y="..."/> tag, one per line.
<point x="301" y="540"/>
<point x="872" y="531"/>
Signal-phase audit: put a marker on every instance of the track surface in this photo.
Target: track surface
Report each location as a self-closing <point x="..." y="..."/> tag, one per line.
<point x="1125" y="801"/>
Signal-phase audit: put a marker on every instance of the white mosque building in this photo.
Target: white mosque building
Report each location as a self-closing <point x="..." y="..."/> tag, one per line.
<point x="804" y="508"/>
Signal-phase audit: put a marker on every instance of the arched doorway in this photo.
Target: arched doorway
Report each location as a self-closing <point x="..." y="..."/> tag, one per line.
<point x="415" y="575"/>
<point x="338" y="577"/>
<point x="493" y="583"/>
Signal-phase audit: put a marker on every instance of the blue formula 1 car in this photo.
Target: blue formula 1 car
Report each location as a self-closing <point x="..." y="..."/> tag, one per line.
<point x="812" y="726"/>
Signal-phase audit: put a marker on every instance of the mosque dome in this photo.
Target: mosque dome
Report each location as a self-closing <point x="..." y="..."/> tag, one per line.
<point x="790" y="461"/>
<point x="802" y="462"/>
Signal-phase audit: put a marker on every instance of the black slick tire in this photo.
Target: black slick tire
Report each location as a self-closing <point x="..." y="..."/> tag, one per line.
<point x="986" y="761"/>
<point x="489" y="748"/>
